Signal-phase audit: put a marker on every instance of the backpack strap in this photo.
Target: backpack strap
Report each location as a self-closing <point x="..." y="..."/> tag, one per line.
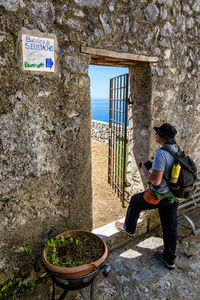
<point x="174" y="154"/>
<point x="179" y="157"/>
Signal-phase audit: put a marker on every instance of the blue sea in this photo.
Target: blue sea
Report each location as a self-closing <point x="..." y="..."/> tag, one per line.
<point x="100" y="110"/>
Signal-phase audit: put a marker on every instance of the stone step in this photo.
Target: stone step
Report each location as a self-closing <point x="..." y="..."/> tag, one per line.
<point x="114" y="238"/>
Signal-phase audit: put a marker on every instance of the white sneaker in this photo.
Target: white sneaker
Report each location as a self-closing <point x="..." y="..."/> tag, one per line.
<point x="120" y="227"/>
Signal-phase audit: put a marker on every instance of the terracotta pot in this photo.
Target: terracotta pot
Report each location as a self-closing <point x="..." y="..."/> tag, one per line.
<point x="80" y="270"/>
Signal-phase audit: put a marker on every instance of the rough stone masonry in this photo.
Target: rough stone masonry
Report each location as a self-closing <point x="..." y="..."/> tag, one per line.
<point x="45" y="117"/>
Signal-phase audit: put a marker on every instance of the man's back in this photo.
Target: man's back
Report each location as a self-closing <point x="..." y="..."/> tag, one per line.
<point x="163" y="161"/>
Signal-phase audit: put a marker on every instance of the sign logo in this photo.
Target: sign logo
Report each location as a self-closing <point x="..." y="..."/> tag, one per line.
<point x="38" y="53"/>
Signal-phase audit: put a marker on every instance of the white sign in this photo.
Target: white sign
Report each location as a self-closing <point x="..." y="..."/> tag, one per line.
<point x="38" y="53"/>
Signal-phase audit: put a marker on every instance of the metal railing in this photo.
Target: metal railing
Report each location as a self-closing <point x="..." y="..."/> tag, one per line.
<point x="189" y="211"/>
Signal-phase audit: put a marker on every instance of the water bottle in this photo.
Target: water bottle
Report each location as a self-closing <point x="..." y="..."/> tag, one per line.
<point x="175" y="173"/>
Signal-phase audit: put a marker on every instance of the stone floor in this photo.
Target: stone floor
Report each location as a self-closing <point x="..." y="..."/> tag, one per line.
<point x="137" y="275"/>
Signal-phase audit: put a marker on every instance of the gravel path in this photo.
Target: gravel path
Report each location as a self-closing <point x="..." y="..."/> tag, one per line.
<point x="106" y="206"/>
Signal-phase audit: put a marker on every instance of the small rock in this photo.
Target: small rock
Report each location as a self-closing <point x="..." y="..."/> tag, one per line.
<point x="196" y="6"/>
<point x="118" y="265"/>
<point x="151" y="12"/>
<point x="2" y="37"/>
<point x="143" y="274"/>
<point x="73" y="24"/>
<point x="185" y="292"/>
<point x="76" y="65"/>
<point x="105" y="290"/>
<point x="90" y="3"/>
<point x="104" y="22"/>
<point x="143" y="289"/>
<point x="126" y="291"/>
<point x="43" y="9"/>
<point x="111" y="6"/>
<point x="12" y="5"/>
<point x="19" y="250"/>
<point x="123" y="279"/>
<point x="163" y="13"/>
<point x="2" y="61"/>
<point x="167" y="30"/>
<point x="163" y="284"/>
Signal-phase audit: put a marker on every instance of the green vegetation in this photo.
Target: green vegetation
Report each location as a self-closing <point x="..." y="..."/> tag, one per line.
<point x="4" y="200"/>
<point x="9" y="289"/>
<point x="27" y="250"/>
<point x="13" y="290"/>
<point x="72" y="251"/>
<point x="6" y="286"/>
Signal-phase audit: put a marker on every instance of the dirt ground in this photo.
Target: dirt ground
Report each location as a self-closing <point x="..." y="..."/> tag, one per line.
<point x="106" y="206"/>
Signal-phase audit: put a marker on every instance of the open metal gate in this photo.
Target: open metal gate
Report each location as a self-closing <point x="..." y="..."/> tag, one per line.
<point x="118" y="141"/>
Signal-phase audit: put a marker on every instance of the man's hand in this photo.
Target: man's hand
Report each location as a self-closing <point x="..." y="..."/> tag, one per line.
<point x="155" y="177"/>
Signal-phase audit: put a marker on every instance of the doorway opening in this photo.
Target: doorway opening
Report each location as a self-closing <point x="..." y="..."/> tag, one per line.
<point x="106" y="202"/>
<point x="139" y="113"/>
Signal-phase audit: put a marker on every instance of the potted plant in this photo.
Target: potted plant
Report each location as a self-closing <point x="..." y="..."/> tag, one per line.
<point x="74" y="253"/>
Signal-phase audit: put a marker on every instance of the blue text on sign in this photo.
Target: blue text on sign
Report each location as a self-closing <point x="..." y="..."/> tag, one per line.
<point x="38" y="44"/>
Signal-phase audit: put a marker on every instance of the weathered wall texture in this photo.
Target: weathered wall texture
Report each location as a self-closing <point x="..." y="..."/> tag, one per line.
<point x="45" y="120"/>
<point x="140" y="118"/>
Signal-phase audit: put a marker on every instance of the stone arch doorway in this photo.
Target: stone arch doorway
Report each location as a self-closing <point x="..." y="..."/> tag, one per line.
<point x="139" y="112"/>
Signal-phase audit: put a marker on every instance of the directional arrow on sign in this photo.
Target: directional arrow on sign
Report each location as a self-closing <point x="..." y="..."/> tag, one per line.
<point x="49" y="63"/>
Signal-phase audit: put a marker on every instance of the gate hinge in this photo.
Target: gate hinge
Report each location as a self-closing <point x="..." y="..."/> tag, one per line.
<point x="130" y="102"/>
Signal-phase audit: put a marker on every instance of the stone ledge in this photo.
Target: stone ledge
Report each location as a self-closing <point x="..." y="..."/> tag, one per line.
<point x="114" y="238"/>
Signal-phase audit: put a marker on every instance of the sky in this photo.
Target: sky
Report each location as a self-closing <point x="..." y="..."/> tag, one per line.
<point x="100" y="80"/>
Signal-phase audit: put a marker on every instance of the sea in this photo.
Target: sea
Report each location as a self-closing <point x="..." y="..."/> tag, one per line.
<point x="100" y="110"/>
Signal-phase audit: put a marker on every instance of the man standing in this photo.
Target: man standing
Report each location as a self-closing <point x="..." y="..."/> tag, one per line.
<point x="157" y="196"/>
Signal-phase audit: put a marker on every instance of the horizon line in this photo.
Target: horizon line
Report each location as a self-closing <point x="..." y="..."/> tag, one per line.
<point x="99" y="98"/>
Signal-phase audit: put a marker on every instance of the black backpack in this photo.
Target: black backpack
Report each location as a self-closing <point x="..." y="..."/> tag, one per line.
<point x="188" y="174"/>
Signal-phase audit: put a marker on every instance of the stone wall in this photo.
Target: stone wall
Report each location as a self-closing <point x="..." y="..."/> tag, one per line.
<point x="45" y="118"/>
<point x="100" y="131"/>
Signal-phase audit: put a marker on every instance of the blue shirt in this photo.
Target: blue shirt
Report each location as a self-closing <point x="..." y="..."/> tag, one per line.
<point x="163" y="161"/>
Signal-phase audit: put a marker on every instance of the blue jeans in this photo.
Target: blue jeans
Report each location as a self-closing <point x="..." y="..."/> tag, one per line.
<point x="168" y="217"/>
